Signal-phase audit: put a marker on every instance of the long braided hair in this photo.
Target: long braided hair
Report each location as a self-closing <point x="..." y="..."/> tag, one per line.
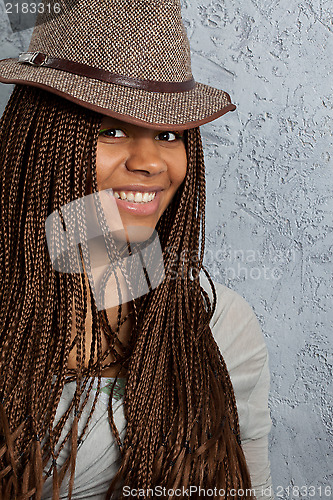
<point x="182" y="424"/>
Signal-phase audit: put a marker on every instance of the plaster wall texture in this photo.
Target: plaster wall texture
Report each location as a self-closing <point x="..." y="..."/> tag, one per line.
<point x="269" y="232"/>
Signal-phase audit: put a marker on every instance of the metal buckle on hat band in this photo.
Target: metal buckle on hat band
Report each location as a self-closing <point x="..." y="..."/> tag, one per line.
<point x="33" y="58"/>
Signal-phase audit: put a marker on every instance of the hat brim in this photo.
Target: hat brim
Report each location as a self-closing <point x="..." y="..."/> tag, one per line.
<point x="176" y="111"/>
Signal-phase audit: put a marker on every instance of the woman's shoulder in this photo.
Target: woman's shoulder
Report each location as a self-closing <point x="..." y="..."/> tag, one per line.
<point x="240" y="340"/>
<point x="234" y="325"/>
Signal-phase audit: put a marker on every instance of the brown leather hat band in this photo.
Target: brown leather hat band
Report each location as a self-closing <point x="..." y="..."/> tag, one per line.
<point x="39" y="59"/>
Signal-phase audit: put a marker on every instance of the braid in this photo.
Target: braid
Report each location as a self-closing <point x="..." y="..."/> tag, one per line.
<point x="182" y="423"/>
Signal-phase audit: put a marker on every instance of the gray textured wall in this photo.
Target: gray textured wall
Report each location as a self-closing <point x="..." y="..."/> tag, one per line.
<point x="269" y="204"/>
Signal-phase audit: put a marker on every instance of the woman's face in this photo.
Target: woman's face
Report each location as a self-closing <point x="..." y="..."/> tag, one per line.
<point x="143" y="166"/>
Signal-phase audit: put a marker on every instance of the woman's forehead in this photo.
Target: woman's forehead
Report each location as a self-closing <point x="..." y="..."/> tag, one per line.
<point x="106" y="120"/>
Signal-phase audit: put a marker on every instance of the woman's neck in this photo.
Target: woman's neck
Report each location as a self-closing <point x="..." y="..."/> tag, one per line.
<point x="124" y="335"/>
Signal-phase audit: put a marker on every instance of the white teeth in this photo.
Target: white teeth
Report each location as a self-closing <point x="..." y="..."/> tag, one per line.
<point x="136" y="197"/>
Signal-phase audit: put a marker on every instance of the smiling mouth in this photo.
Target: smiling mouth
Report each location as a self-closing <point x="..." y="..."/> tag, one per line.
<point x="134" y="196"/>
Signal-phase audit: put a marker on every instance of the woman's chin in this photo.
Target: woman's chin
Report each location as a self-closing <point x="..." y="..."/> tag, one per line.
<point x="139" y="233"/>
<point x="133" y="234"/>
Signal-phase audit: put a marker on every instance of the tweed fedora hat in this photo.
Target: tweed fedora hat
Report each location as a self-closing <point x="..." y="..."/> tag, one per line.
<point x="128" y="59"/>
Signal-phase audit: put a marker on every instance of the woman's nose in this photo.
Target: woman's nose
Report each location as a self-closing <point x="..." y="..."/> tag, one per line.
<point x="145" y="157"/>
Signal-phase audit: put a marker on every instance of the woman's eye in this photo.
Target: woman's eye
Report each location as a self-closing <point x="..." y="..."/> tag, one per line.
<point x="168" y="136"/>
<point x="112" y="132"/>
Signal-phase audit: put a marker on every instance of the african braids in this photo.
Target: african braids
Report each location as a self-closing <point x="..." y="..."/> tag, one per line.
<point x="182" y="423"/>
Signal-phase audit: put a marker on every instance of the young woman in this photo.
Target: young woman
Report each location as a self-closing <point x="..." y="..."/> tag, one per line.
<point x="160" y="395"/>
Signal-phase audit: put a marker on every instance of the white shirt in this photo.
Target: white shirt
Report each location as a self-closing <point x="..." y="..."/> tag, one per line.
<point x="242" y="345"/>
